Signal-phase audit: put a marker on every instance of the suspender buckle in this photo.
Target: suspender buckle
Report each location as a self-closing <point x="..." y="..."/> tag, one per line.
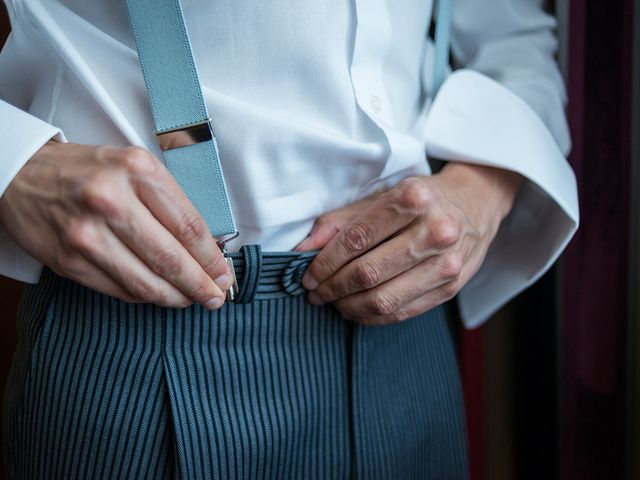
<point x="185" y="135"/>
<point x="232" y="293"/>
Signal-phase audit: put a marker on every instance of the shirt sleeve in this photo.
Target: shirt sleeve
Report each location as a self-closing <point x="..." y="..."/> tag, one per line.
<point x="505" y="108"/>
<point x="21" y="136"/>
<point x="22" y="133"/>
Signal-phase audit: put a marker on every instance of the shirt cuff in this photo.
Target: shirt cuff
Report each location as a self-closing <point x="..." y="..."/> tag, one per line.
<point x="476" y="120"/>
<point x="21" y="136"/>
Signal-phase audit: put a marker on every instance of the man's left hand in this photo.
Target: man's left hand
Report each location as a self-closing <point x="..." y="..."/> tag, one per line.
<point x="399" y="253"/>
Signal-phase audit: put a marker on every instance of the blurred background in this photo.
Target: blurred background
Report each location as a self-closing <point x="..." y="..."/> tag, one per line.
<point x="552" y="383"/>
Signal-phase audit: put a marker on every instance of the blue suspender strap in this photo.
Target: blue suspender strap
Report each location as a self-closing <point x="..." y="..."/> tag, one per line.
<point x="442" y="41"/>
<point x="182" y="122"/>
<point x="183" y="127"/>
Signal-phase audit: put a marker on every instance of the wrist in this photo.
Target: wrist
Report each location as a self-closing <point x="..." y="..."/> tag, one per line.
<point x="488" y="193"/>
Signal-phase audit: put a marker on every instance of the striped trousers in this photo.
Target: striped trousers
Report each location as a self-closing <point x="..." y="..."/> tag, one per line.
<point x="270" y="388"/>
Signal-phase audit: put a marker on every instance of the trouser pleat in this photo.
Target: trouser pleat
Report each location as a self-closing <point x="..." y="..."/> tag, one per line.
<point x="256" y="398"/>
<point x="274" y="389"/>
<point x="87" y="393"/>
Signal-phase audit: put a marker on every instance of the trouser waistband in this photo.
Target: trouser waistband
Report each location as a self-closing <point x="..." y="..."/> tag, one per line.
<point x="268" y="275"/>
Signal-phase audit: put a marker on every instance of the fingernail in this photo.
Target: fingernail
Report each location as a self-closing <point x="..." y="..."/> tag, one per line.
<point x="314" y="299"/>
<point x="223" y="281"/>
<point x="309" y="282"/>
<point x="213" y="304"/>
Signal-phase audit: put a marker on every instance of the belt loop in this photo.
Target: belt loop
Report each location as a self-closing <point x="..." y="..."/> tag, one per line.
<point x="252" y="259"/>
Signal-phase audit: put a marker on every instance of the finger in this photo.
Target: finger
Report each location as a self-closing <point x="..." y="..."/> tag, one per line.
<point x="392" y="211"/>
<point x="324" y="229"/>
<point x="164" y="255"/>
<point x="409" y="248"/>
<point x="150" y="241"/>
<point x="328" y="225"/>
<point x="393" y="295"/>
<point x="417" y="307"/>
<point x="101" y="247"/>
<point x="91" y="276"/>
<point x="159" y="191"/>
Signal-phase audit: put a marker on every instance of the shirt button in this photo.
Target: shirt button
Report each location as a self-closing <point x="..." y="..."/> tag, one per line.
<point x="376" y="104"/>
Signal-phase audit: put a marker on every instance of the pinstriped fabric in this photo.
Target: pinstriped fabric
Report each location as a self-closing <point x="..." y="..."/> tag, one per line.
<point x="87" y="395"/>
<point x="408" y="402"/>
<point x="275" y="388"/>
<point x="269" y="275"/>
<point x="248" y="287"/>
<point x="278" y="390"/>
<point x="33" y="309"/>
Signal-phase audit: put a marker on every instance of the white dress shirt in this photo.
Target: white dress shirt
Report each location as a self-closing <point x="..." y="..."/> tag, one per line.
<point x="315" y="104"/>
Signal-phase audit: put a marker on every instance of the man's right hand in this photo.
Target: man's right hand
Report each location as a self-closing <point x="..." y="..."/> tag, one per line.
<point x="115" y="220"/>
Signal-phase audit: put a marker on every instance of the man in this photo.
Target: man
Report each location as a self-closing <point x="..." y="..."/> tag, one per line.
<point x="323" y="117"/>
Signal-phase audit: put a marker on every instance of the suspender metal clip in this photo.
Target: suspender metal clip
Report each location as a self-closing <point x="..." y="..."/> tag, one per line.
<point x="233" y="290"/>
<point x="185" y="135"/>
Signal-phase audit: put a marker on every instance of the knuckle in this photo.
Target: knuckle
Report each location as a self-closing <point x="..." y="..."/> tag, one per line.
<point x="383" y="304"/>
<point x="137" y="160"/>
<point x="191" y="228"/>
<point x="445" y="232"/>
<point x="213" y="263"/>
<point x="367" y="275"/>
<point x="414" y="195"/>
<point x="150" y="292"/>
<point x="357" y="237"/>
<point x="167" y="263"/>
<point x="82" y="236"/>
<point x="451" y="266"/>
<point x="421" y="244"/>
<point x="101" y="195"/>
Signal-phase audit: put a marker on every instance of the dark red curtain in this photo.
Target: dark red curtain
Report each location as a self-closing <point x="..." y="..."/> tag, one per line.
<point x="596" y="266"/>
<point x="565" y="340"/>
